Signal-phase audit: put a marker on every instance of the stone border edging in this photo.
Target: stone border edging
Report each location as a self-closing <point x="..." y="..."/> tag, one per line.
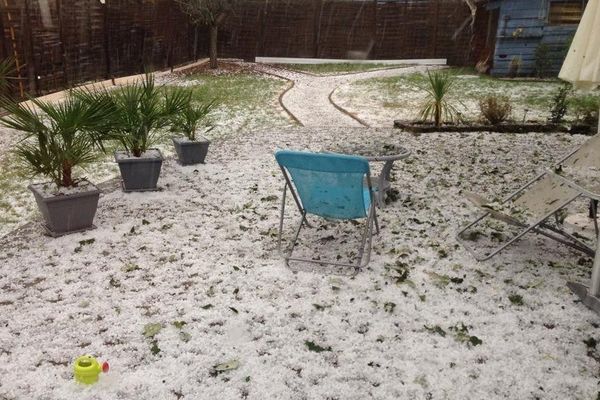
<point x="344" y="111"/>
<point x="290" y="87"/>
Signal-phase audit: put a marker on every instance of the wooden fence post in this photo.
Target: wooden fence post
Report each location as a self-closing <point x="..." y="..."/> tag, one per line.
<point x="435" y="27"/>
<point x="61" y="39"/>
<point x="107" y="54"/>
<point x="317" y="26"/>
<point x="13" y="38"/>
<point x="30" y="54"/>
<point x="373" y="55"/>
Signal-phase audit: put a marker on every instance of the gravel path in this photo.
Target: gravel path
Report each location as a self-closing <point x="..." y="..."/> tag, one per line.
<point x="309" y="99"/>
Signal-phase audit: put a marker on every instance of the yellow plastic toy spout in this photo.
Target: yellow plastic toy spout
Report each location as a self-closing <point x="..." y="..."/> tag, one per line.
<point x="87" y="369"/>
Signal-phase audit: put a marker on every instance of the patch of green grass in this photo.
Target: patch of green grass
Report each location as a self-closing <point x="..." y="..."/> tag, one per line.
<point x="327" y="69"/>
<point x="244" y="102"/>
<point x="236" y="90"/>
<point x="533" y="96"/>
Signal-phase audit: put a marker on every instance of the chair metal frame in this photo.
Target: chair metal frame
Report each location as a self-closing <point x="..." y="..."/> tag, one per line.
<point x="371" y="217"/>
<point x="539" y="226"/>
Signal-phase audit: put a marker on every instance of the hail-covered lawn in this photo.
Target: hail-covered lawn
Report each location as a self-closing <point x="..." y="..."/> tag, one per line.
<point x="336" y="68"/>
<point x="379" y="101"/>
<point x="175" y="282"/>
<point x="244" y="102"/>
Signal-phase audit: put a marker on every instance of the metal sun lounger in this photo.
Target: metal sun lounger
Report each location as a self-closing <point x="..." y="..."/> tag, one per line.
<point x="541" y="198"/>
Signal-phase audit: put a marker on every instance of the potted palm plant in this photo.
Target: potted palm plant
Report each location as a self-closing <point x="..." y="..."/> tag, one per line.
<point x="141" y="111"/>
<point x="59" y="140"/>
<point x="191" y="149"/>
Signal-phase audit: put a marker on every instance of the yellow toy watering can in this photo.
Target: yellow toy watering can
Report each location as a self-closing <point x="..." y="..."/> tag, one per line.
<point x="87" y="369"/>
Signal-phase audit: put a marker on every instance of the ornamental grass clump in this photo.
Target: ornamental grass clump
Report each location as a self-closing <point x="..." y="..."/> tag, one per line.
<point x="58" y="138"/>
<point x="437" y="106"/>
<point x="495" y="109"/>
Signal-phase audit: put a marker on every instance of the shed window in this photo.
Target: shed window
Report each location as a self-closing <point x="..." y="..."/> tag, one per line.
<point x="566" y="12"/>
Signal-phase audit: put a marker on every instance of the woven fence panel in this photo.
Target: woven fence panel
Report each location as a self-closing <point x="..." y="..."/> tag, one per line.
<point x="61" y="43"/>
<point x="346" y="28"/>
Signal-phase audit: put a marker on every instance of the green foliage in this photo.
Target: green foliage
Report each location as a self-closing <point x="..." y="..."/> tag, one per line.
<point x="326" y="69"/>
<point x="542" y="60"/>
<point x="58" y="137"/>
<point x="437" y="106"/>
<point x="152" y="329"/>
<point x="436" y="329"/>
<point x="590" y="343"/>
<point x="188" y="120"/>
<point x="461" y="334"/>
<point x="312" y="346"/>
<point x="560" y="104"/>
<point x="516" y="299"/>
<point x="7" y="68"/>
<point x="495" y="109"/>
<point x="586" y="109"/>
<point x="139" y="112"/>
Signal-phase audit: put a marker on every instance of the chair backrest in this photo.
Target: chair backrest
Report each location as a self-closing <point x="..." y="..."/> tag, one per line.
<point x="588" y="155"/>
<point x="328" y="185"/>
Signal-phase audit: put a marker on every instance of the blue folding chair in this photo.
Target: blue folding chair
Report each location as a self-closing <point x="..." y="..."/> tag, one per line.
<point x="330" y="186"/>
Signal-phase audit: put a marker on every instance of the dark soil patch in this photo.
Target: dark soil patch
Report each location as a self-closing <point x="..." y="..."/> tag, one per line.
<point x="224" y="68"/>
<point x="428" y="127"/>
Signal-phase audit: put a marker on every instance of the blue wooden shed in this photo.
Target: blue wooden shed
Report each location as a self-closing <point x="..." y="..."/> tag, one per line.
<point x="529" y="37"/>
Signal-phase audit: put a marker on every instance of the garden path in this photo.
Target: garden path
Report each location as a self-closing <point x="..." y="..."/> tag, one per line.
<point x="309" y="99"/>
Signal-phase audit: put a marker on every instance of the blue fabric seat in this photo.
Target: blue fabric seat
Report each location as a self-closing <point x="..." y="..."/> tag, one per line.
<point x="330" y="186"/>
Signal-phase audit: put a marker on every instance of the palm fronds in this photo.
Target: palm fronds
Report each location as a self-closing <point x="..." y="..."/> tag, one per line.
<point x="139" y="112"/>
<point x="189" y="119"/>
<point x="7" y="68"/>
<point x="58" y="136"/>
<point x="437" y="106"/>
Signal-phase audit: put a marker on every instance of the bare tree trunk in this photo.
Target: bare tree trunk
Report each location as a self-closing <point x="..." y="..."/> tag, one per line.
<point x="214" y="33"/>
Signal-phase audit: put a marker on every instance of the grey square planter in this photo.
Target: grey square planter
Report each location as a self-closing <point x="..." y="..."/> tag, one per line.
<point x="139" y="174"/>
<point x="191" y="152"/>
<point x="69" y="213"/>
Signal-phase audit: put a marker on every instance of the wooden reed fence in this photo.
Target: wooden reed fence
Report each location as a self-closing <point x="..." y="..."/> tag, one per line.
<point x="61" y="43"/>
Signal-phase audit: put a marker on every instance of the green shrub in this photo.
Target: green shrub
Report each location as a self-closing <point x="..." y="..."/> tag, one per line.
<point x="586" y="109"/>
<point x="495" y="109"/>
<point x="560" y="104"/>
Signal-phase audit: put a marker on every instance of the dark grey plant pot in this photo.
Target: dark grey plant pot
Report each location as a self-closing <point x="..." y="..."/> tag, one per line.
<point x="67" y="213"/>
<point x="139" y="174"/>
<point x="191" y="152"/>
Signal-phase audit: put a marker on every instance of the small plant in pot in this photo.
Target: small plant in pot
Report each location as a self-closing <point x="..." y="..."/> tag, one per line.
<point x="140" y="111"/>
<point x="191" y="149"/>
<point x="60" y="139"/>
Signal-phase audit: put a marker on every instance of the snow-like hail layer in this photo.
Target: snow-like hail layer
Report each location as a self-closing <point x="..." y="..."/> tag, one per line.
<point x="422" y="321"/>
